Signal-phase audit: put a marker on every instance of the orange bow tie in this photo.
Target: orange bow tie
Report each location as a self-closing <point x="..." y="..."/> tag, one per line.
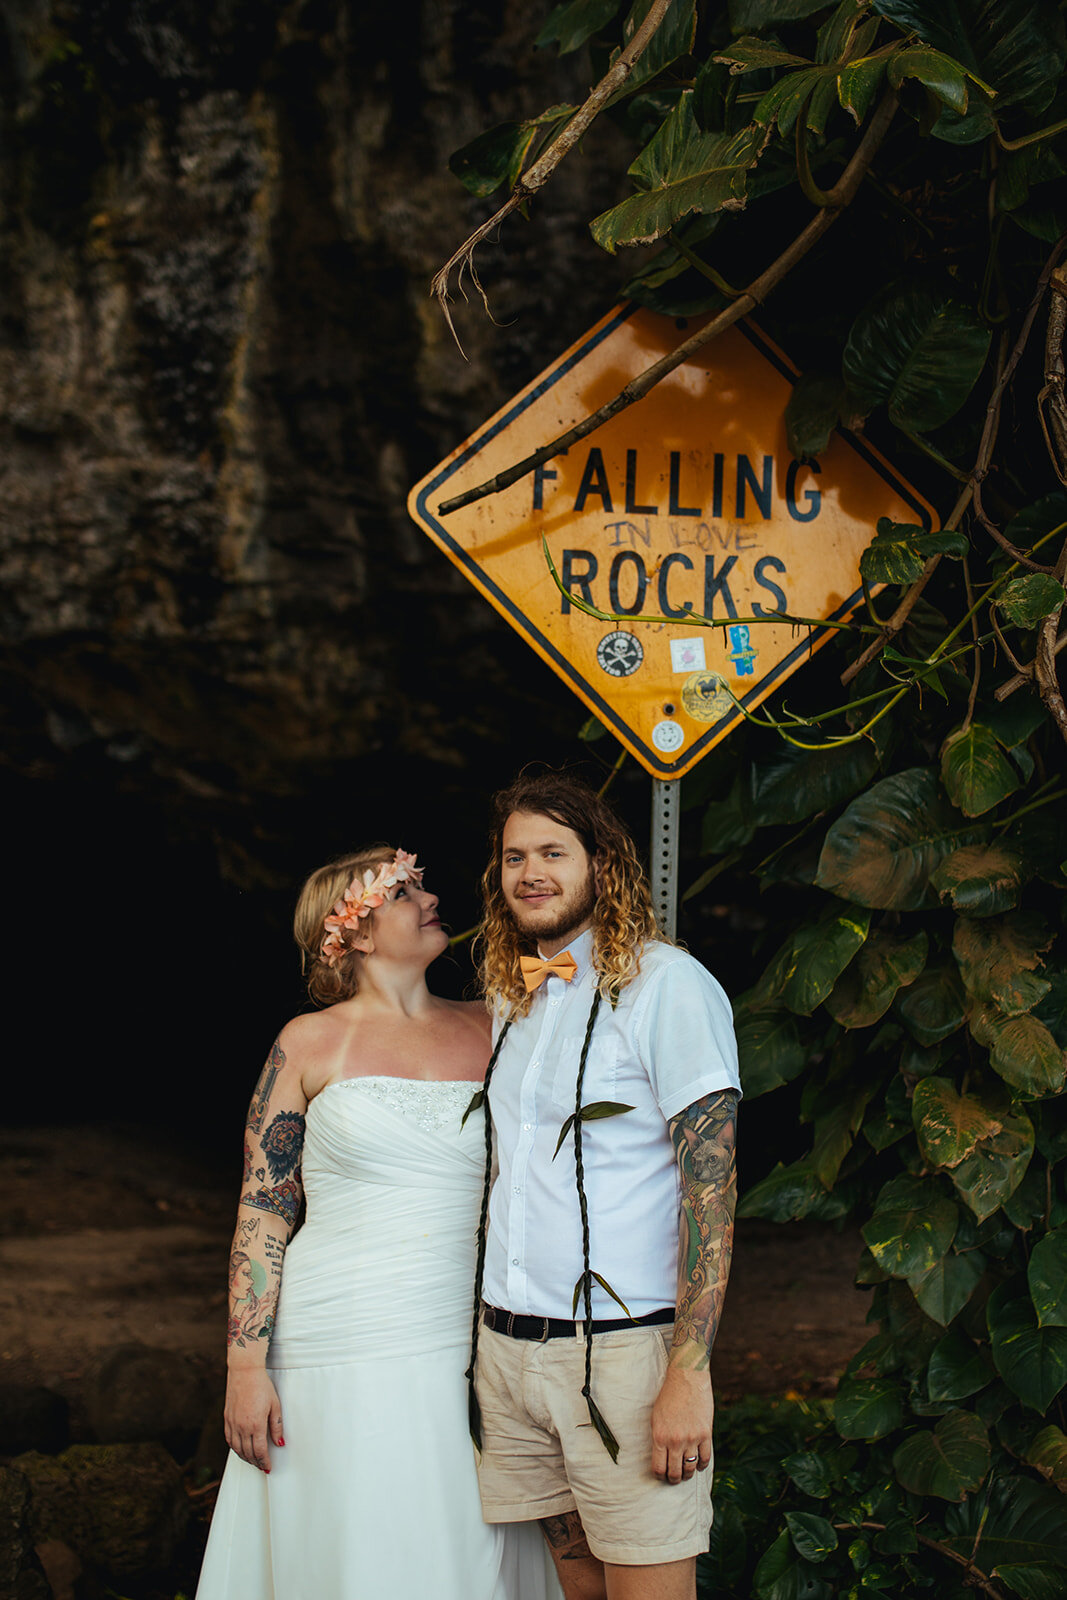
<point x="535" y="971"/>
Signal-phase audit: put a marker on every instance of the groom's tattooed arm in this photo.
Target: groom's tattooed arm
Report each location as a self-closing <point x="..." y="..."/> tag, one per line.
<point x="270" y="1203"/>
<point x="704" y="1137"/>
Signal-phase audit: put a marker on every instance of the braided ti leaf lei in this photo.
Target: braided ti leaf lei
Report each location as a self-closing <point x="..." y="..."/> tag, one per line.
<point x="595" y="1112"/>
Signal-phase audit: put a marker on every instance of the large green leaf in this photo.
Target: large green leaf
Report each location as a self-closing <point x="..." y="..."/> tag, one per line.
<point x="770" y="1050"/>
<point x="912" y="1226"/>
<point x="812" y="412"/>
<point x="866" y="989"/>
<point x="672" y="39"/>
<point x="782" y="1575"/>
<point x="1025" y="601"/>
<point x="1047" y="1452"/>
<point x="882" y="850"/>
<point x="1046" y="1273"/>
<point x="997" y="1166"/>
<point x="950" y="1125"/>
<point x="496" y="156"/>
<point x="680" y="170"/>
<point x="1034" y="1581"/>
<point x="945" y="78"/>
<point x="813" y="958"/>
<point x="836" y="1126"/>
<point x="813" y="1536"/>
<point x="917" y="352"/>
<point x="1022" y="1050"/>
<point x="976" y="774"/>
<point x="958" y="1368"/>
<point x="950" y="1461"/>
<point x="570" y="25"/>
<point x="750" y="54"/>
<point x="791" y="1193"/>
<point x="791" y="784"/>
<point x="933" y="1007"/>
<point x="980" y="880"/>
<point x="1016" y="46"/>
<point x="1021" y="1522"/>
<point x="867" y="1408"/>
<point x="748" y="16"/>
<point x="997" y="959"/>
<point x="1031" y="1360"/>
<point x="946" y="1288"/>
<point x="899" y="550"/>
<point x="858" y="83"/>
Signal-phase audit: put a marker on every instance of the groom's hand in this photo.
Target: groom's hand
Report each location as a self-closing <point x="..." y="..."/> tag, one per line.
<point x="682" y="1418"/>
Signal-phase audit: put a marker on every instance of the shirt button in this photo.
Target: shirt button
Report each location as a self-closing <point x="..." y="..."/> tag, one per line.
<point x="535" y="1063"/>
<point x="527" y="1126"/>
<point x="514" y="1261"/>
<point x="518" y="1189"/>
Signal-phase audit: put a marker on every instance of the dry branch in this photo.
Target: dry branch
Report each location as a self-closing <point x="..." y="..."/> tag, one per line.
<point x="973" y="488"/>
<point x="529" y="183"/>
<point x="840" y="196"/>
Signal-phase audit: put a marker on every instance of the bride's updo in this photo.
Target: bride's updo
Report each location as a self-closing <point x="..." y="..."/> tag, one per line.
<point x="327" y="984"/>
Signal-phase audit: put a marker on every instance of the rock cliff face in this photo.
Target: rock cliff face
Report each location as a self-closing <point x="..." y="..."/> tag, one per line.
<point x="220" y="370"/>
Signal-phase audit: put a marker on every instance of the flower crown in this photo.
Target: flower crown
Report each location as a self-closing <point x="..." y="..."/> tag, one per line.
<point x="364" y="895"/>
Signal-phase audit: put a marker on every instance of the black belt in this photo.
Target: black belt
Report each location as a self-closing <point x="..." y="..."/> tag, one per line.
<point x="542" y="1328"/>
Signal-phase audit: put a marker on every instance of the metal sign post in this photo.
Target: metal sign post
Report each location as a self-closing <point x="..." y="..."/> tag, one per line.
<point x="663" y="852"/>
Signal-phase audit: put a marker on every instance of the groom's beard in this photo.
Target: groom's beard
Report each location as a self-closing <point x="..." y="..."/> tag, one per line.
<point x="572" y="911"/>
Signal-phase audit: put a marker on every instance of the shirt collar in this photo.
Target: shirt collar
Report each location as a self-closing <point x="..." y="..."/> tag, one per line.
<point x="581" y="949"/>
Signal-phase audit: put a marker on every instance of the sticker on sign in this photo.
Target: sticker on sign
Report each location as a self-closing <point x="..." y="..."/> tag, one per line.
<point x="686" y="505"/>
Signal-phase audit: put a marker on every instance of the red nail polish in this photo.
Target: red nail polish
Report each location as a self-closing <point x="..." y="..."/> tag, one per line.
<point x="281" y="1441"/>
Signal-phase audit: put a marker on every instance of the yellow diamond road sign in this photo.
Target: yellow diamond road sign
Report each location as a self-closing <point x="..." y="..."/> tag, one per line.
<point x="685" y="504"/>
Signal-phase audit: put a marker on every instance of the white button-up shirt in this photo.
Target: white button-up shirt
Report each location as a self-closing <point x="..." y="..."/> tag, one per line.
<point x="669" y="1042"/>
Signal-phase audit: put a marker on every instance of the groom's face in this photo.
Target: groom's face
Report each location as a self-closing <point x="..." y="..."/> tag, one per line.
<point x="548" y="879"/>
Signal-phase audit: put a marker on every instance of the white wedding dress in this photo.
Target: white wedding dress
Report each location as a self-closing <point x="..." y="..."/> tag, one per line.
<point x="374" y="1494"/>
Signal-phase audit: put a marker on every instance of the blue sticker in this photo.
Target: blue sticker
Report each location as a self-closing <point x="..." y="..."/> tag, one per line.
<point x="741" y="652"/>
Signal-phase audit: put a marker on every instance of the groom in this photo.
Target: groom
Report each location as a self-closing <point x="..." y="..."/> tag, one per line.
<point x="600" y="1429"/>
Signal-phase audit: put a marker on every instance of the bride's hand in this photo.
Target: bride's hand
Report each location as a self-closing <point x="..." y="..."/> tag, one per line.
<point x="252" y="1416"/>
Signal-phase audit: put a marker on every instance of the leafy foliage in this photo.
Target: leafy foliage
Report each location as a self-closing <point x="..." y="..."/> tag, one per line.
<point x="904" y="833"/>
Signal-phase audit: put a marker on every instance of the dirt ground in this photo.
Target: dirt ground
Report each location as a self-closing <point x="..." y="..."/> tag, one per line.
<point x="105" y="1240"/>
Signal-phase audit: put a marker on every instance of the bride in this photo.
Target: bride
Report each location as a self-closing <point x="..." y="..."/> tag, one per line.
<point x="352" y="1474"/>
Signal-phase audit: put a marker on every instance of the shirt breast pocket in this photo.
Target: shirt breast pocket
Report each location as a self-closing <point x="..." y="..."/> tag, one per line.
<point x="599" y="1080"/>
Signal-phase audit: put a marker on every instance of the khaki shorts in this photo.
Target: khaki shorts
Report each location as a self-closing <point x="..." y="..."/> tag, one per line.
<point x="542" y="1456"/>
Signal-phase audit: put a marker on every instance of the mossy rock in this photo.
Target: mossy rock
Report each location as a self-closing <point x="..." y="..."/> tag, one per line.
<point x="121" y="1507"/>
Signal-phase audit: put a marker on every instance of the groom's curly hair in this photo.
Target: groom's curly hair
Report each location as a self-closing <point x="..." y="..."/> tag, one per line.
<point x="623" y="919"/>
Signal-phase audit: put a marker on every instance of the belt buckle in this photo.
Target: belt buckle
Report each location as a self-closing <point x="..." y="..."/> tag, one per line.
<point x="544" y="1336"/>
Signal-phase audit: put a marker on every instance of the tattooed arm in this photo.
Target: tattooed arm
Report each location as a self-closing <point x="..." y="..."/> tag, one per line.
<point x="703" y="1136"/>
<point x="270" y="1201"/>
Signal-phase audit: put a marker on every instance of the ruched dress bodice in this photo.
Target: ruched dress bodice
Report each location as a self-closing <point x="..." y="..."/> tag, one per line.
<point x="374" y="1494"/>
<point x="384" y="1261"/>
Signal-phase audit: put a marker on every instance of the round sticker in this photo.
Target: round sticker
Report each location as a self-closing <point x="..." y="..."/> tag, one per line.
<point x="705" y="698"/>
<point x="620" y="653"/>
<point x="668" y="735"/>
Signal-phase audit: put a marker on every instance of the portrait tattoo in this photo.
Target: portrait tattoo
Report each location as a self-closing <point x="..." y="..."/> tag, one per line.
<point x="283" y="1144"/>
<point x="258" y="1109"/>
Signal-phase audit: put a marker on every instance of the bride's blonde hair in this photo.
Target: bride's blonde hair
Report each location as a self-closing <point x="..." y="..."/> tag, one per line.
<point x="329" y="984"/>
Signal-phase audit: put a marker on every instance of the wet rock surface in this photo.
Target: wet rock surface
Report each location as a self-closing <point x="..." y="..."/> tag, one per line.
<point x="221" y="371"/>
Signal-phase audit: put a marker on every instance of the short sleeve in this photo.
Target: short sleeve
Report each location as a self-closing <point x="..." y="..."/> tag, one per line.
<point x="683" y="1033"/>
